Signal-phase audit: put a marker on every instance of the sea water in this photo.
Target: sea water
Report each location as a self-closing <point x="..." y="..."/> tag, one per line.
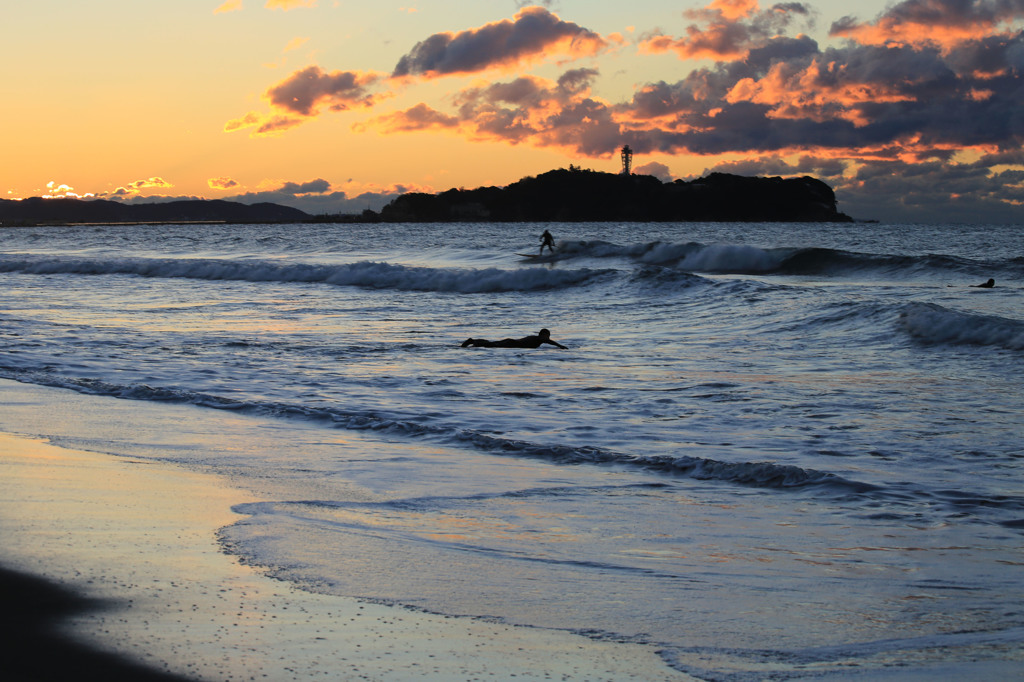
<point x="770" y="450"/>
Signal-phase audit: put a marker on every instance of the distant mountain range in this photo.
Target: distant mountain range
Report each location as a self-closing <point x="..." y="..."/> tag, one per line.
<point x="572" y="195"/>
<point x="36" y="211"/>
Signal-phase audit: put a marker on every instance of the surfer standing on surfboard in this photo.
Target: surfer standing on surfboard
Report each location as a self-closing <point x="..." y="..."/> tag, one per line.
<point x="546" y="240"/>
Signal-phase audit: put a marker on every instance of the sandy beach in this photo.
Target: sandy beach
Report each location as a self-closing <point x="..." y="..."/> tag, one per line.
<point x="112" y="563"/>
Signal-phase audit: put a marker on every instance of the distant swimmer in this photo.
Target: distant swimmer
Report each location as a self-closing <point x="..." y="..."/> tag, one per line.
<point x="987" y="285"/>
<point x="542" y="337"/>
<point x="547" y="240"/>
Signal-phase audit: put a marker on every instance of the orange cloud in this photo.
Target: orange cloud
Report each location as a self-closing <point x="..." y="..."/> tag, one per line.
<point x="721" y="41"/>
<point x="419" y="117"/>
<point x="940" y="23"/>
<point x="134" y="189"/>
<point x="813" y="94"/>
<point x="55" y="190"/>
<point x="894" y="33"/>
<point x="734" y="9"/>
<point x="732" y="28"/>
<point x="304" y="91"/>
<point x="300" y="96"/>
<point x="247" y="121"/>
<point x="229" y="6"/>
<point x="529" y="109"/>
<point x="289" y="4"/>
<point x="533" y="35"/>
<point x="221" y="183"/>
<point x="149" y="183"/>
<point x="264" y="125"/>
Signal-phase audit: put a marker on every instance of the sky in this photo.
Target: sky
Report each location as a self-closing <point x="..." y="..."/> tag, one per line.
<point x="912" y="111"/>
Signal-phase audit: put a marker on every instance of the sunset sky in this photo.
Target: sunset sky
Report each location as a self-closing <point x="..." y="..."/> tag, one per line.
<point x="911" y="110"/>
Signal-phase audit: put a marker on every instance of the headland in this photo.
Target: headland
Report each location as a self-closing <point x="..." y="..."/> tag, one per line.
<point x="577" y="195"/>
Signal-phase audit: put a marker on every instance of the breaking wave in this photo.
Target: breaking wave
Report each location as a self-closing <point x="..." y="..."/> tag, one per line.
<point x="365" y="274"/>
<point x="742" y="259"/>
<point x="754" y="474"/>
<point x="932" y="323"/>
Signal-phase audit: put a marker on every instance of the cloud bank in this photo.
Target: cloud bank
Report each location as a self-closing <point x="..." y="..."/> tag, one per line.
<point x="925" y="97"/>
<point x="319" y="197"/>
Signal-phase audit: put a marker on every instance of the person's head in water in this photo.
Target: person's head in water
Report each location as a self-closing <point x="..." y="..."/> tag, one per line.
<point x="544" y="333"/>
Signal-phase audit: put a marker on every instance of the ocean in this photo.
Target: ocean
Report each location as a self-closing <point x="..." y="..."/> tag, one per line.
<point x="770" y="451"/>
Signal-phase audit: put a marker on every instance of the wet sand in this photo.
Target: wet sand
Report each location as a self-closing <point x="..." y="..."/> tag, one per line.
<point x="113" y="572"/>
<point x="33" y="648"/>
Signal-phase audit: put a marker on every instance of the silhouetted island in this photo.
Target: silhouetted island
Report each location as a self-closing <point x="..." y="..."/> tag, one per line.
<point x="577" y="195"/>
<point x="36" y="211"/>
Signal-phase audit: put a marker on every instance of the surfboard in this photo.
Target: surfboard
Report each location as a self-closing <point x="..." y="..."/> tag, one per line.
<point x="530" y="256"/>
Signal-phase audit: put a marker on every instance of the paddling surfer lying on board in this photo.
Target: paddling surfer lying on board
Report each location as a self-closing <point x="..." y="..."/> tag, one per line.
<point x="542" y="337"/>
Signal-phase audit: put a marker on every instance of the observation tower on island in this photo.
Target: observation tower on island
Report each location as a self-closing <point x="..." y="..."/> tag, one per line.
<point x="627" y="160"/>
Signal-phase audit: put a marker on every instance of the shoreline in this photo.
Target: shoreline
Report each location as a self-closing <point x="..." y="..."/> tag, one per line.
<point x="134" y="540"/>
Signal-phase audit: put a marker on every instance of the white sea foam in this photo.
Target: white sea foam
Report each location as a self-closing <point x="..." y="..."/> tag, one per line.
<point x="371" y="275"/>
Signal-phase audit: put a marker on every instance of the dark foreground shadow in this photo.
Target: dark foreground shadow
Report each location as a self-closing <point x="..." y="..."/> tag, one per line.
<point x="32" y="649"/>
